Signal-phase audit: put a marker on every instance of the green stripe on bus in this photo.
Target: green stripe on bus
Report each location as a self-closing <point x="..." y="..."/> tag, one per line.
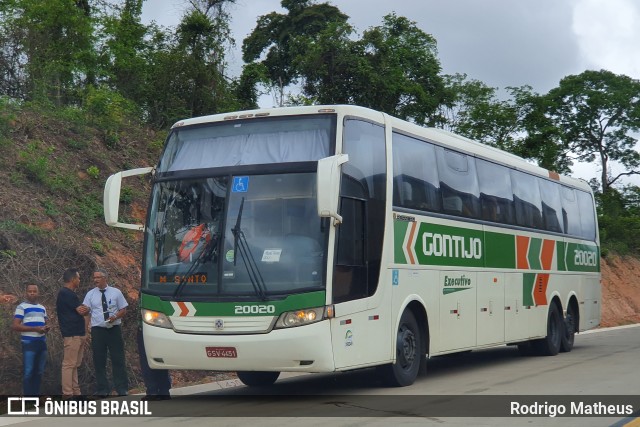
<point x="500" y="250"/>
<point x="442" y="245"/>
<point x="560" y="256"/>
<point x="535" y="247"/>
<point x="399" y="232"/>
<point x="585" y="258"/>
<point x="451" y="246"/>
<point x="528" y="281"/>
<point x="291" y="303"/>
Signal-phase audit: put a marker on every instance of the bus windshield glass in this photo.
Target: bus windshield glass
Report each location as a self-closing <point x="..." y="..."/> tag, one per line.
<point x="235" y="236"/>
<point x="248" y="142"/>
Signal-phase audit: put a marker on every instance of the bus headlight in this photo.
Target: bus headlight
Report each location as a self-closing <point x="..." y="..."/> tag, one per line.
<point x="307" y="316"/>
<point x="155" y="318"/>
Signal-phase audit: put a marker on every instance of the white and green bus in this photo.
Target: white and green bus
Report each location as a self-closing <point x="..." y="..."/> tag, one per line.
<point x="332" y="238"/>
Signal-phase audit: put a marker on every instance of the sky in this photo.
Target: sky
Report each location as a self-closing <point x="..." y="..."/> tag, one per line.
<point x="499" y="42"/>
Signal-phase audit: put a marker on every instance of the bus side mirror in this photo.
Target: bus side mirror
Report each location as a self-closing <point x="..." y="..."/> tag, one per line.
<point x="111" y="198"/>
<point x="328" y="185"/>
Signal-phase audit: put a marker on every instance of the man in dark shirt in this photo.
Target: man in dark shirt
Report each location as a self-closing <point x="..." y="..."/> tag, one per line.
<point x="73" y="319"/>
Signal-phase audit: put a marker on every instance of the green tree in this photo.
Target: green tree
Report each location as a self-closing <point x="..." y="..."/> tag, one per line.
<point x="186" y="72"/>
<point x="54" y="42"/>
<point x="329" y="63"/>
<point x="596" y="114"/>
<point x="281" y="37"/>
<point x="125" y="51"/>
<point x="401" y="72"/>
<point x="619" y="219"/>
<point x="515" y="123"/>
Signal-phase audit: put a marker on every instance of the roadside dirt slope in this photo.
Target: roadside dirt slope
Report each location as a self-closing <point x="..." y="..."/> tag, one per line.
<point x="620" y="290"/>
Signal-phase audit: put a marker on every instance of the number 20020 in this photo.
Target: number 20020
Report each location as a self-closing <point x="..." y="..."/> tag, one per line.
<point x="255" y="309"/>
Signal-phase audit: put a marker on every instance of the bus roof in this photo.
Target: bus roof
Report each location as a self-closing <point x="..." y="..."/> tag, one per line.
<point x="435" y="135"/>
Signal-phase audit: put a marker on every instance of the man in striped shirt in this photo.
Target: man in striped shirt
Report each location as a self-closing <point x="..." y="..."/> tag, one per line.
<point x="30" y="319"/>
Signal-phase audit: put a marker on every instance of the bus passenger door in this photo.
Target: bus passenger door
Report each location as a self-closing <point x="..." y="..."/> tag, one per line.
<point x="356" y="323"/>
<point x="491" y="308"/>
<point x="457" y="310"/>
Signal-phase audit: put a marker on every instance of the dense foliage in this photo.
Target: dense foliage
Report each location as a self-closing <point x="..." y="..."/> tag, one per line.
<point x="98" y="59"/>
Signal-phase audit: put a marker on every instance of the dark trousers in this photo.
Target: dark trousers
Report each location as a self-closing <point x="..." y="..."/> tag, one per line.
<point x="34" y="357"/>
<point x="103" y="341"/>
<point x="157" y="381"/>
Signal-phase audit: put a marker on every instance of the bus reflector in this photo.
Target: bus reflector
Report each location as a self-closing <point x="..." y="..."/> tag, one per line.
<point x="326" y="110"/>
<point x="330" y="312"/>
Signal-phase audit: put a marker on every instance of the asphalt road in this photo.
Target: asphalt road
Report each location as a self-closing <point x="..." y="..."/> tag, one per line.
<point x="479" y="388"/>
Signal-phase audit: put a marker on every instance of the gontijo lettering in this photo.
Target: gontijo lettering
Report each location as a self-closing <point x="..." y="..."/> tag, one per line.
<point x="445" y="245"/>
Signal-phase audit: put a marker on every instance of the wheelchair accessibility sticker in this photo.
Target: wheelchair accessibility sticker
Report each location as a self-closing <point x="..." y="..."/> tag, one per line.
<point x="240" y="184"/>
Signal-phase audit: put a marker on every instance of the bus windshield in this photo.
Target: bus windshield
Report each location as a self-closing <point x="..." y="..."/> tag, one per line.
<point x="235" y="236"/>
<point x="248" y="142"/>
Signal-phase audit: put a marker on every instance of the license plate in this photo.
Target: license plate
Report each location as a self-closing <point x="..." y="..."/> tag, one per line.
<point x="222" y="352"/>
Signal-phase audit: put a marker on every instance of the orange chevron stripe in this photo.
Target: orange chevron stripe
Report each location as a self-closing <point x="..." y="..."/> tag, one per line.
<point x="409" y="252"/>
<point x="546" y="257"/>
<point x="184" y="309"/>
<point x="522" y="248"/>
<point x="540" y="289"/>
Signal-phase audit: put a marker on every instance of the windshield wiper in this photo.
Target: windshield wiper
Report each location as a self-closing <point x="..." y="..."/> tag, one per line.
<point x="248" y="260"/>
<point x="209" y="249"/>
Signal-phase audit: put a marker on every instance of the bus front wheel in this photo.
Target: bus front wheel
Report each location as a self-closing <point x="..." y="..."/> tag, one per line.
<point x="258" y="378"/>
<point x="408" y="353"/>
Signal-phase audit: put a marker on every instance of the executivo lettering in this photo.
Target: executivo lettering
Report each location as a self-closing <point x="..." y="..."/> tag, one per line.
<point x="446" y="245"/>
<point x="457" y="281"/>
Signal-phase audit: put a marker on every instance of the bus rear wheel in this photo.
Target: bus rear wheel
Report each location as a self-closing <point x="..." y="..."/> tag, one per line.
<point x="258" y="378"/>
<point x="408" y="353"/>
<point x="550" y="345"/>
<point x="570" y="326"/>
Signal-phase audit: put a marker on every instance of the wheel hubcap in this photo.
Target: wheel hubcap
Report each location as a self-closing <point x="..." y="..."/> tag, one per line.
<point x="406" y="347"/>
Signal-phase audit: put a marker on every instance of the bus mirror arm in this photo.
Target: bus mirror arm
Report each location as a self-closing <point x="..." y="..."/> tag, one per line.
<point x="328" y="186"/>
<point x="111" y="198"/>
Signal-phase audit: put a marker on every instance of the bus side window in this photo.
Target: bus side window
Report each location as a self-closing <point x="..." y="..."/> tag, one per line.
<point x="570" y="212"/>
<point x="458" y="183"/>
<point x="415" y="182"/>
<point x="526" y="196"/>
<point x="551" y="205"/>
<point x="496" y="194"/>
<point x="587" y="215"/>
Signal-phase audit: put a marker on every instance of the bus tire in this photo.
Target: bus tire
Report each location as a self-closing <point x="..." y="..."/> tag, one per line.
<point x="258" y="378"/>
<point x="408" y="353"/>
<point x="570" y="326"/>
<point x="550" y="345"/>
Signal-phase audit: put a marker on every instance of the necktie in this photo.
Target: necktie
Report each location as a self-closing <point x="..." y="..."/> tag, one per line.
<point x="105" y="307"/>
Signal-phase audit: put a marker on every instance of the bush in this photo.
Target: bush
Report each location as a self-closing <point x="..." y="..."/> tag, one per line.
<point x="109" y="111"/>
<point x="7" y="117"/>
